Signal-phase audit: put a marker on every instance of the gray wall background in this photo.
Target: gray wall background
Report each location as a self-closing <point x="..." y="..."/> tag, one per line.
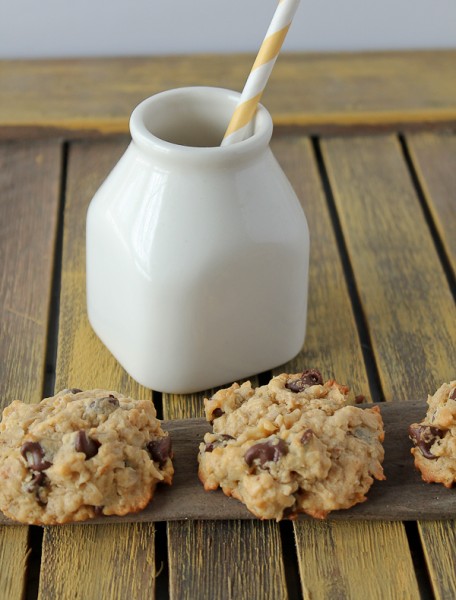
<point x="76" y="28"/>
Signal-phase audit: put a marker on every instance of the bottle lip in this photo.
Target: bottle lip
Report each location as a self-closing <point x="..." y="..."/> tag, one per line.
<point x="145" y="122"/>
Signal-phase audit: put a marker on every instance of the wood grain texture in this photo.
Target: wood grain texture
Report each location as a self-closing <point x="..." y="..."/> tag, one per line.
<point x="439" y="541"/>
<point x="403" y="496"/>
<point x="120" y="559"/>
<point x="333" y="344"/>
<point x="83" y="362"/>
<point x="13" y="561"/>
<point x="317" y="91"/>
<point x="404" y="291"/>
<point x="29" y="201"/>
<point x="241" y="567"/>
<point x="402" y="285"/>
<point x="434" y="158"/>
<point x="346" y="571"/>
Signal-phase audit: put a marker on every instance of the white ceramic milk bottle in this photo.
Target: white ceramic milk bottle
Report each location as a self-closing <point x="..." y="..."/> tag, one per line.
<point x="197" y="255"/>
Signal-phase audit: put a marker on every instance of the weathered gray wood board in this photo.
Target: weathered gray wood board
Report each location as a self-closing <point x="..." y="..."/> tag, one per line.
<point x="402" y="496"/>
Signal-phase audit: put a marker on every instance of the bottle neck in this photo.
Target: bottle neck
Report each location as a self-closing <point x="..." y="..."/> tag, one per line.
<point x="188" y="124"/>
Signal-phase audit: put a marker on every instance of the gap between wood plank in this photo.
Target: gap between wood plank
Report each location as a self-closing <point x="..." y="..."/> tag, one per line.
<point x="444" y="259"/>
<point x="161" y="562"/>
<point x="415" y="543"/>
<point x="35" y="539"/>
<point x="360" y="318"/>
<point x="54" y="308"/>
<point x="158" y="403"/>
<point x="419" y="561"/>
<point x="290" y="561"/>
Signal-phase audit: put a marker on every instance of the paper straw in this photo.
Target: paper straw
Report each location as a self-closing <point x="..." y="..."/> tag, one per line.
<point x="256" y="82"/>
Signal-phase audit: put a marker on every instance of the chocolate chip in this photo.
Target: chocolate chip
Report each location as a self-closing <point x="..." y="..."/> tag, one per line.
<point x="98" y="510"/>
<point x="160" y="450"/>
<point x="37" y="483"/>
<point x="307" y="378"/>
<point x="360" y="399"/>
<point x="264" y="452"/>
<point x="424" y="436"/>
<point x="306" y="436"/>
<point x="216" y="413"/>
<point x="453" y="394"/>
<point x="38" y="479"/>
<point x="87" y="445"/>
<point x="75" y="390"/>
<point x="34" y="454"/>
<point x="218" y="442"/>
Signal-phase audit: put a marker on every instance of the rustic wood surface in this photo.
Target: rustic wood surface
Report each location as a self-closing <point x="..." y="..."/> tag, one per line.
<point x="381" y="313"/>
<point x="242" y="563"/>
<point x="408" y="303"/>
<point x="345" y="571"/>
<point x="434" y="157"/>
<point x="98" y="562"/>
<point x="29" y="202"/>
<point x="439" y="541"/>
<point x="332" y="340"/>
<point x="338" y="346"/>
<point x="13" y="558"/>
<point x="83" y="362"/>
<point x="319" y="92"/>
<point x="403" y="496"/>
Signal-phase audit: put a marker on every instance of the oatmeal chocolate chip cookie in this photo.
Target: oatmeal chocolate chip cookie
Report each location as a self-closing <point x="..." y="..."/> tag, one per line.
<point x="79" y="455"/>
<point x="291" y="446"/>
<point x="434" y="438"/>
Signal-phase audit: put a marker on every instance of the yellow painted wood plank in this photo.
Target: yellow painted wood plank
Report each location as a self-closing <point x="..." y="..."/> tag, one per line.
<point x="439" y="541"/>
<point x="13" y="562"/>
<point x="120" y="561"/>
<point x="29" y="199"/>
<point x="402" y="285"/>
<point x="245" y="561"/>
<point x="404" y="291"/>
<point x="318" y="91"/>
<point x="434" y="158"/>
<point x="326" y="551"/>
<point x="115" y="562"/>
<point x="332" y="343"/>
<point x="345" y="571"/>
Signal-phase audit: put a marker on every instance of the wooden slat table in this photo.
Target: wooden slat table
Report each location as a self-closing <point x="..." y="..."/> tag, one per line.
<point x="369" y="143"/>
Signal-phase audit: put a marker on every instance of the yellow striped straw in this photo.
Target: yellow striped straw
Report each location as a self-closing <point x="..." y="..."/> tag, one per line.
<point x="238" y="128"/>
